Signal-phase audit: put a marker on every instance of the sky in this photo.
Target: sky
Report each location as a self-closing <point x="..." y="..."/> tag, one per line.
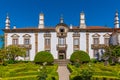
<point x="25" y="13"/>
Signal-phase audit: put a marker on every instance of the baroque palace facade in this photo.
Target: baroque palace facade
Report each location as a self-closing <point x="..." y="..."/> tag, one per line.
<point x="61" y="40"/>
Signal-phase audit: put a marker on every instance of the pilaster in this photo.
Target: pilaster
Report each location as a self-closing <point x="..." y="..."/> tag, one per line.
<point x="87" y="42"/>
<point x="36" y="42"/>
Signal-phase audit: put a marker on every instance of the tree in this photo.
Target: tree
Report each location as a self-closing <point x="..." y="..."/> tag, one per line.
<point x="2" y="40"/>
<point x="112" y="53"/>
<point x="2" y="54"/>
<point x="14" y="51"/>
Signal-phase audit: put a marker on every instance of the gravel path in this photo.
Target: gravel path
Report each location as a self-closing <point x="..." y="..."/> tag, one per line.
<point x="63" y="73"/>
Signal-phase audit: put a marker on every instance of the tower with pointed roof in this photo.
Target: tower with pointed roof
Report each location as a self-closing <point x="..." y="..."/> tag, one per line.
<point x="82" y="20"/>
<point x="41" y="21"/>
<point x="7" y="22"/>
<point x="116" y="20"/>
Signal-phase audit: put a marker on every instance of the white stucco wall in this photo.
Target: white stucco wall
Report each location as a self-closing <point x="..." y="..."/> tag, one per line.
<point x="69" y="42"/>
<point x="83" y="41"/>
<point x="40" y="41"/>
<point x="54" y="42"/>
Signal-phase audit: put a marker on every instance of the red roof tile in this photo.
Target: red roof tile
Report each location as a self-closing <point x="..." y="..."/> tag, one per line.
<point x="97" y="27"/>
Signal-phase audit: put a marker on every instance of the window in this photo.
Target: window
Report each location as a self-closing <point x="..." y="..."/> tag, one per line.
<point x="106" y="41"/>
<point x="15" y="38"/>
<point x="62" y="30"/>
<point x="14" y="41"/>
<point x="26" y="41"/>
<point x="27" y="53"/>
<point x="76" y="41"/>
<point x="96" y="54"/>
<point x="96" y="40"/>
<point x="47" y="44"/>
<point x="47" y="41"/>
<point x="61" y="41"/>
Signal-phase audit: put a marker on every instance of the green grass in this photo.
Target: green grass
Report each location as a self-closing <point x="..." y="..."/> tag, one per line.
<point x="25" y="71"/>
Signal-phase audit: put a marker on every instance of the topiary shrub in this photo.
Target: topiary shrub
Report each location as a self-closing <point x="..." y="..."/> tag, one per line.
<point x="42" y="57"/>
<point x="79" y="56"/>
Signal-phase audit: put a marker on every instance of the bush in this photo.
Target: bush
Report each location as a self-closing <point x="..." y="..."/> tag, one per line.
<point x="79" y="56"/>
<point x="93" y="60"/>
<point x="43" y="56"/>
<point x="10" y="61"/>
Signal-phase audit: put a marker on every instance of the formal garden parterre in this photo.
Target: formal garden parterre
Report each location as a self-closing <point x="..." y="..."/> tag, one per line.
<point x="81" y="67"/>
<point x="26" y="71"/>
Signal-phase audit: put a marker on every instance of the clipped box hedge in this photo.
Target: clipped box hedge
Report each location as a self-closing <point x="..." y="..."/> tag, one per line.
<point x="79" y="56"/>
<point x="98" y="75"/>
<point x="105" y="78"/>
<point x="30" y="77"/>
<point x="43" y="56"/>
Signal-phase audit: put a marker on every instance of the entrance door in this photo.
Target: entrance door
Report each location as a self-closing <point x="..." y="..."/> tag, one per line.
<point x="61" y="55"/>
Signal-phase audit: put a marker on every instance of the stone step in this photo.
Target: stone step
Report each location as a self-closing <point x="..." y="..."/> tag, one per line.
<point x="61" y="62"/>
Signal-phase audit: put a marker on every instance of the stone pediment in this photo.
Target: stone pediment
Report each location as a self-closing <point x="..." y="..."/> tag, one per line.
<point x="106" y="35"/>
<point x="96" y="35"/>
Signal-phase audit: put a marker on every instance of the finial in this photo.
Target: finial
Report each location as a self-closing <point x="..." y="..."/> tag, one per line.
<point x="116" y="20"/>
<point x="116" y="14"/>
<point x="7" y="22"/>
<point x="71" y="26"/>
<point x="61" y="19"/>
<point x="7" y="15"/>
<point x="14" y="27"/>
<point x="82" y="12"/>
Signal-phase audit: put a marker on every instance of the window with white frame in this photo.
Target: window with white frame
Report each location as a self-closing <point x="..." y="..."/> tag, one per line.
<point x="76" y="41"/>
<point x="96" y="40"/>
<point x="47" y="41"/>
<point x="15" y="38"/>
<point x="26" y="39"/>
<point x="106" y="41"/>
<point x="15" y="41"/>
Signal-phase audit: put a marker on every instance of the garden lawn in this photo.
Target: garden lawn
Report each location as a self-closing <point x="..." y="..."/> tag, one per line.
<point x="100" y="72"/>
<point x="25" y="71"/>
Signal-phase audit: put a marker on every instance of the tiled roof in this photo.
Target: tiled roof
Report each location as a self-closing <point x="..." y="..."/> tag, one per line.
<point x="97" y="27"/>
<point x="74" y="28"/>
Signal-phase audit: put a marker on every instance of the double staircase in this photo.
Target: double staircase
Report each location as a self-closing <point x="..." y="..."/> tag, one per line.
<point x="61" y="62"/>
